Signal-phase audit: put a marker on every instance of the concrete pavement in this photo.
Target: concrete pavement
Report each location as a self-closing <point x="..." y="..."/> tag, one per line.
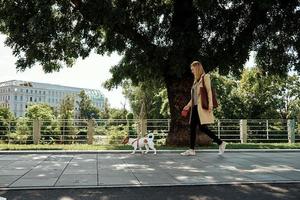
<point x="92" y="170"/>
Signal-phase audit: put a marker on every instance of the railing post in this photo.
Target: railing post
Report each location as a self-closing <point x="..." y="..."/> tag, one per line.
<point x="36" y="131"/>
<point x="90" y="131"/>
<point x="291" y="130"/>
<point x="243" y="131"/>
<point x="219" y="129"/>
<point x="267" y="124"/>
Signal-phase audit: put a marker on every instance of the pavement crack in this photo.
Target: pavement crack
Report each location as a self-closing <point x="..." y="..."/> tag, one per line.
<point x="63" y="171"/>
<point x="28" y="171"/>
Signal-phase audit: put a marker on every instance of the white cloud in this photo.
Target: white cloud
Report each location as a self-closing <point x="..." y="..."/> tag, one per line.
<point x="91" y="72"/>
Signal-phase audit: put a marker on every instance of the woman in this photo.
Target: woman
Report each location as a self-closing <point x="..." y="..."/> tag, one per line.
<point x="199" y="116"/>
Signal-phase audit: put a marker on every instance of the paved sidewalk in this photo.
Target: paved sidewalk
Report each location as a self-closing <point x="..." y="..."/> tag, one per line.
<point x="73" y="170"/>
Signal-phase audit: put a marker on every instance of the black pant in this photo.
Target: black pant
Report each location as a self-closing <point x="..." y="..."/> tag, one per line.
<point x="196" y="121"/>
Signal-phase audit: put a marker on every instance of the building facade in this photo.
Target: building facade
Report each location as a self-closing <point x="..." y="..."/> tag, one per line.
<point x="18" y="95"/>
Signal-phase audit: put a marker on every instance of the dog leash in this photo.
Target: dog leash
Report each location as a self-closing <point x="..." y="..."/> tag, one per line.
<point x="137" y="142"/>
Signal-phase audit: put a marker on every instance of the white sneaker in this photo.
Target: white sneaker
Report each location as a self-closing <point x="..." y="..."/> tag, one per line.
<point x="222" y="147"/>
<point x="190" y="152"/>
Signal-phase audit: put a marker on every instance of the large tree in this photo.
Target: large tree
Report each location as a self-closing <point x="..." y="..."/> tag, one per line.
<point x="157" y="38"/>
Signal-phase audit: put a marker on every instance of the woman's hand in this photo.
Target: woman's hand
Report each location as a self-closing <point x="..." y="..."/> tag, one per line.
<point x="209" y="110"/>
<point x="187" y="107"/>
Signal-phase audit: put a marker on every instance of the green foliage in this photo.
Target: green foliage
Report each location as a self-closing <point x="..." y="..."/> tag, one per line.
<point x="231" y="105"/>
<point x="44" y="113"/>
<point x="257" y="95"/>
<point x="66" y="116"/>
<point x="39" y="111"/>
<point x="104" y="114"/>
<point x="66" y="110"/>
<point x="115" y="113"/>
<point x="6" y="118"/>
<point x="5" y="113"/>
<point x="117" y="134"/>
<point x="153" y="36"/>
<point x="152" y="95"/>
<point x="129" y="115"/>
<point x="86" y="108"/>
<point x="23" y="132"/>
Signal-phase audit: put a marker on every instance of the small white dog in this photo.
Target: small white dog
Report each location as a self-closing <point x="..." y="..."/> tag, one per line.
<point x="138" y="143"/>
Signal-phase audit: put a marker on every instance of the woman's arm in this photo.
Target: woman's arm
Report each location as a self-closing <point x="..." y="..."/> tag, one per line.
<point x="209" y="92"/>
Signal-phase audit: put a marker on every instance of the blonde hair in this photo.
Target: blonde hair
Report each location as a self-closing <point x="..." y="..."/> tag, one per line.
<point x="198" y="69"/>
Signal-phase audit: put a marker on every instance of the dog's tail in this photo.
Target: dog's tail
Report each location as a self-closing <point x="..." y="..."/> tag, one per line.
<point x="150" y="136"/>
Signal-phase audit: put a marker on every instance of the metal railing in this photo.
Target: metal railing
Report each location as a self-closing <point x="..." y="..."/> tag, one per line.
<point x="112" y="131"/>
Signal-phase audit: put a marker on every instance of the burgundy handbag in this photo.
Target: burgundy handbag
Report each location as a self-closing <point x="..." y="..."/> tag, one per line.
<point x="185" y="113"/>
<point x="204" y="97"/>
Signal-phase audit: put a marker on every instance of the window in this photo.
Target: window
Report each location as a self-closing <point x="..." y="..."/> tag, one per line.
<point x="21" y="98"/>
<point x="30" y="99"/>
<point x="26" y="90"/>
<point x="16" y="98"/>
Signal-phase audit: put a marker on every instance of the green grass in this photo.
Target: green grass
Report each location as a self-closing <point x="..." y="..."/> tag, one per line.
<point x="127" y="147"/>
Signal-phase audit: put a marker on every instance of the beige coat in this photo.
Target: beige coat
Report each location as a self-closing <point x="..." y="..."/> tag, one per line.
<point x="204" y="116"/>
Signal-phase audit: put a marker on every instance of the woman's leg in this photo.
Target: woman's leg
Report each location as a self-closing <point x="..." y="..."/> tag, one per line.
<point x="210" y="134"/>
<point x="193" y="126"/>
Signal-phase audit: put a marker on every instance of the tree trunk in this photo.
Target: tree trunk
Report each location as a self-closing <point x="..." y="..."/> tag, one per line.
<point x="179" y="95"/>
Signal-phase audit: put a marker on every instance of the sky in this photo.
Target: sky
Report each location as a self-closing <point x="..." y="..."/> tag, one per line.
<point x="91" y="73"/>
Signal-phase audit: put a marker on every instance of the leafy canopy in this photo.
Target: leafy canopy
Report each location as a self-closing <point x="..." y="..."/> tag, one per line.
<point x="158" y="38"/>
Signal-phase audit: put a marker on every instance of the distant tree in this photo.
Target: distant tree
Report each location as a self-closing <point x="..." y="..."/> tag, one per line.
<point x="44" y="113"/>
<point x="23" y="132"/>
<point x="231" y="104"/>
<point x="152" y="95"/>
<point x="6" y="120"/>
<point x="66" y="116"/>
<point x="86" y="108"/>
<point x="115" y="113"/>
<point x="104" y="113"/>
<point x="257" y="95"/>
<point x="39" y="111"/>
<point x="67" y="108"/>
<point x="288" y="97"/>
